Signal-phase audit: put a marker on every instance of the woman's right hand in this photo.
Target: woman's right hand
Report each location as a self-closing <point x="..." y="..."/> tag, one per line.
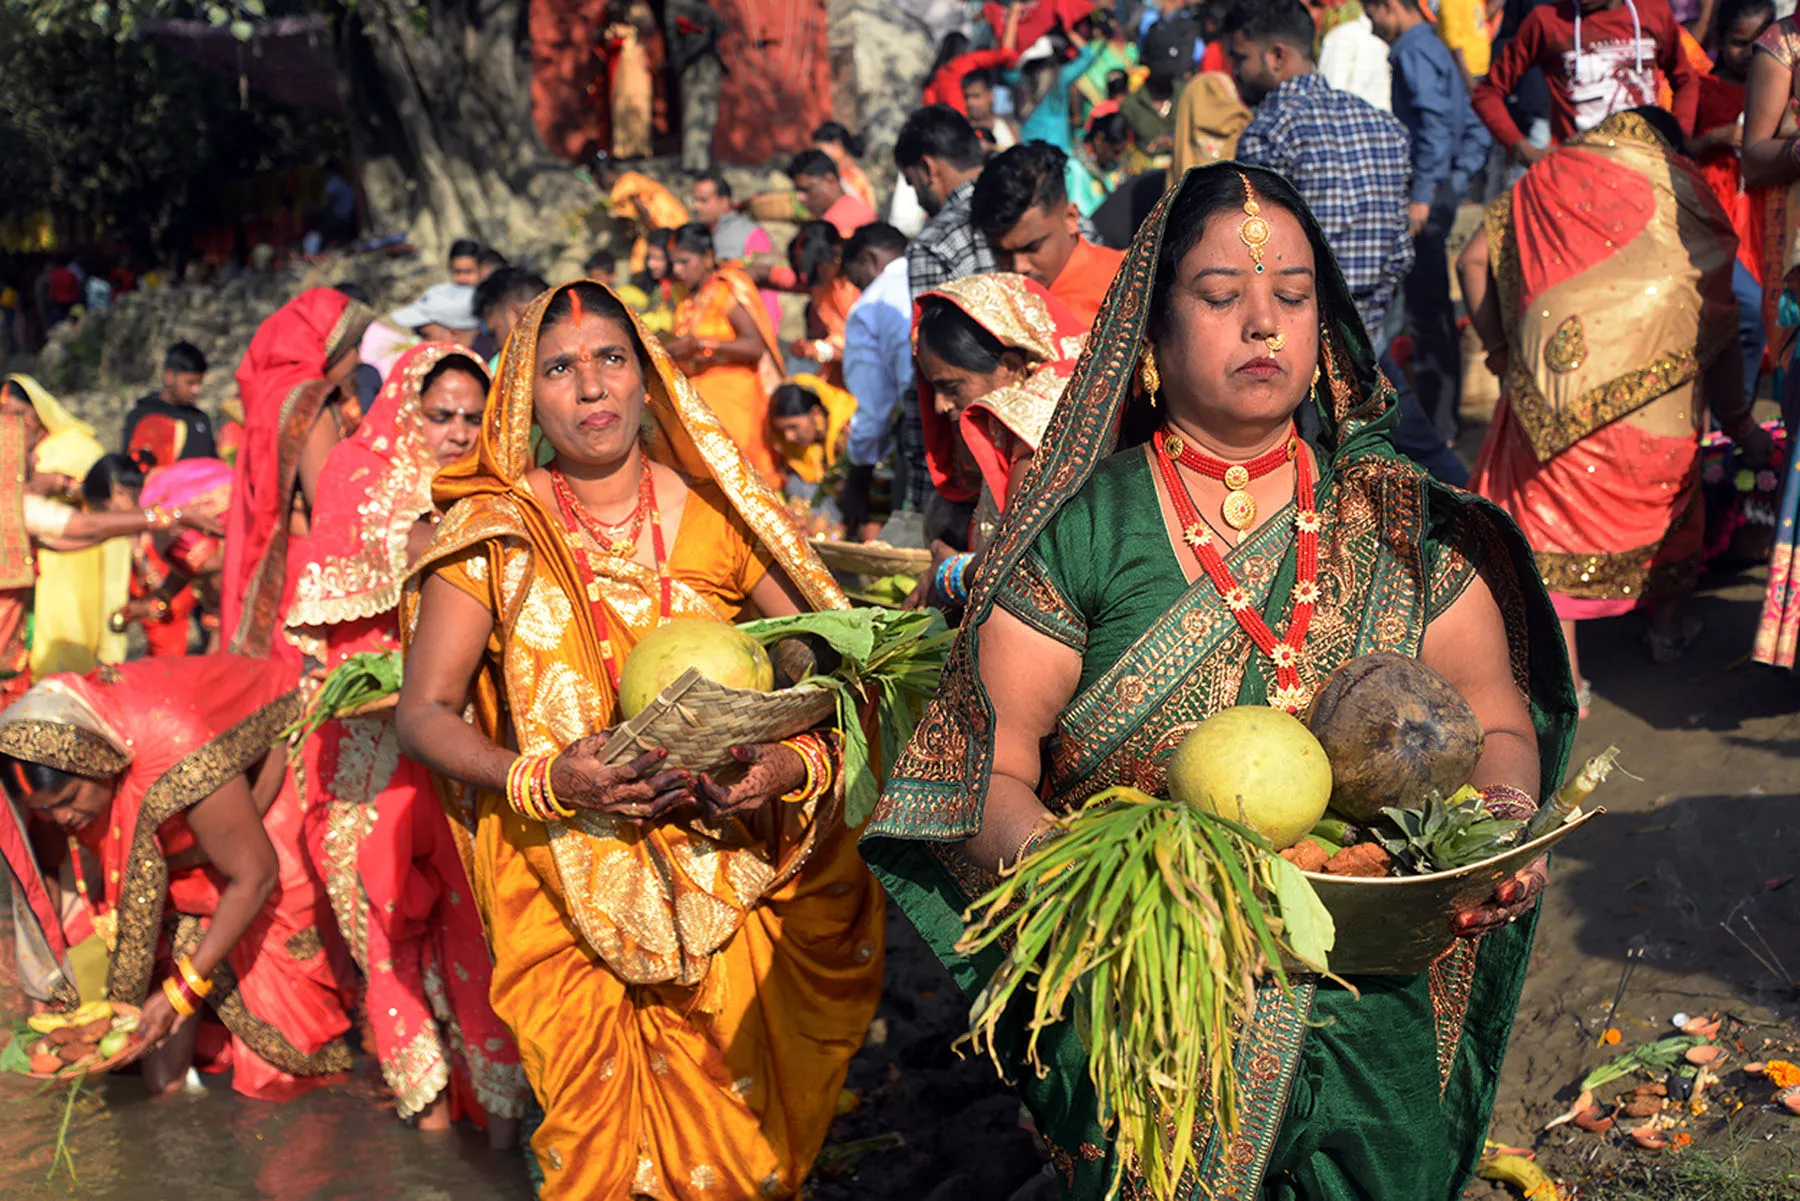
<point x="204" y="514"/>
<point x="638" y="790"/>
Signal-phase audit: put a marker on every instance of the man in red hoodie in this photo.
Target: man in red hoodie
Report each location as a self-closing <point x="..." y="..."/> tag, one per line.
<point x="1599" y="57"/>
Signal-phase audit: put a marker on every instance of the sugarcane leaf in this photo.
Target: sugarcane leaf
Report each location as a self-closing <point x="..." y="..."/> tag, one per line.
<point x="1306" y="923"/>
<point x="849" y="632"/>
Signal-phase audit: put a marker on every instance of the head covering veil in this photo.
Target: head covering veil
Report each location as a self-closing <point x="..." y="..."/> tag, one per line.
<point x="936" y="796"/>
<point x="685" y="436"/>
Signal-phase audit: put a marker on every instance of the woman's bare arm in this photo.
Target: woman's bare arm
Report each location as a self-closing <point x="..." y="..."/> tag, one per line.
<point x="1029" y="678"/>
<point x="1467" y="645"/>
<point x="1768" y="157"/>
<point x="435" y="689"/>
<point x="775" y="595"/>
<point x="319" y="441"/>
<point x="228" y="830"/>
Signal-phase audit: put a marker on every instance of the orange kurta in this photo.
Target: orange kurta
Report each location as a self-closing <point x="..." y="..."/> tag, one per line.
<point x="1085" y="278"/>
<point x="737" y="395"/>
<point x="686" y="999"/>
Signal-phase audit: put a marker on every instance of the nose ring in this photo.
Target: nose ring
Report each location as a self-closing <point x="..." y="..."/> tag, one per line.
<point x="1275" y="342"/>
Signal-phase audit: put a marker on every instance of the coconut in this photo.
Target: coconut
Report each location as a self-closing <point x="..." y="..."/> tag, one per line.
<point x="718" y="650"/>
<point x="1395" y="732"/>
<point x="1256" y="766"/>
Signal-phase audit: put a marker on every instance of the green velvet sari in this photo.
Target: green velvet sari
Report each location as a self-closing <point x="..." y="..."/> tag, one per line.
<point x="1386" y="1096"/>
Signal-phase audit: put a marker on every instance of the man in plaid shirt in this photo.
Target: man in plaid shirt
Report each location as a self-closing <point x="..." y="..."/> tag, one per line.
<point x="1347" y="158"/>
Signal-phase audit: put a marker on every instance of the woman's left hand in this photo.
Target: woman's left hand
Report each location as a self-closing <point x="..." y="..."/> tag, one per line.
<point x="157" y="1021"/>
<point x="1513" y="898"/>
<point x="774" y="771"/>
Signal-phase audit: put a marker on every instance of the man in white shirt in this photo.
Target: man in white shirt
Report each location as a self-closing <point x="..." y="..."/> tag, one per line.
<point x="878" y="366"/>
<point x="1351" y="58"/>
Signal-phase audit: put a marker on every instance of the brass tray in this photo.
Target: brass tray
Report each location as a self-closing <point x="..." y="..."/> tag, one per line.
<point x="1398" y="925"/>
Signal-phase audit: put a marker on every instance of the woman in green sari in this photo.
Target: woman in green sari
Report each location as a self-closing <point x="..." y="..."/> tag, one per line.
<point x="1131" y="592"/>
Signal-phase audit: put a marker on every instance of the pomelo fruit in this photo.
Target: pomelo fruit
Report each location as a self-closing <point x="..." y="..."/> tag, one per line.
<point x="718" y="650"/>
<point x="1257" y="766"/>
<point x="1395" y="731"/>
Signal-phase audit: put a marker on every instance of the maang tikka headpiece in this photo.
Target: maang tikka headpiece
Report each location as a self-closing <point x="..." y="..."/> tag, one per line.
<point x="1253" y="231"/>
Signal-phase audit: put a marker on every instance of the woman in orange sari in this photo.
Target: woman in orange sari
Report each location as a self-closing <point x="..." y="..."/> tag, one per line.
<point x="1608" y="324"/>
<point x="294" y="413"/>
<point x="180" y="829"/>
<point x="375" y="831"/>
<point x="18" y="563"/>
<point x="687" y="968"/>
<point x="844" y="148"/>
<point x="725" y="345"/>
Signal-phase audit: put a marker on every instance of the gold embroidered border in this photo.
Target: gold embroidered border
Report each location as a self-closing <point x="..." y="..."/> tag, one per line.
<point x="267" y="1041"/>
<point x="144" y="890"/>
<point x="347" y="330"/>
<point x="66" y="748"/>
<point x="1625" y="575"/>
<point x="1449" y="980"/>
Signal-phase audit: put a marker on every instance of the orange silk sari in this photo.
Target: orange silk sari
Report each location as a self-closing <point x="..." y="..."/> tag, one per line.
<point x="686" y="998"/>
<point x="737" y="395"/>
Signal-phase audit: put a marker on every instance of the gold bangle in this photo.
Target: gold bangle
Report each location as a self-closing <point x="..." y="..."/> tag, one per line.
<point x="556" y="806"/>
<point x="817" y="762"/>
<point x="195" y="981"/>
<point x="178" y="1002"/>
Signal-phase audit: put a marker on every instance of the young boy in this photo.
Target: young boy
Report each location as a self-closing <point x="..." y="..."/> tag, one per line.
<point x="1599" y="57"/>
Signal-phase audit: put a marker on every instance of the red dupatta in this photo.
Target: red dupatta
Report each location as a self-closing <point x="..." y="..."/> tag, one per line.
<point x="281" y="385"/>
<point x="1023" y="315"/>
<point x="380" y="486"/>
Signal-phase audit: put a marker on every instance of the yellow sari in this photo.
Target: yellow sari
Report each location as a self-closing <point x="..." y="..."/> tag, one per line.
<point x="810" y="463"/>
<point x="77" y="591"/>
<point x="738" y="396"/>
<point x="686" y="998"/>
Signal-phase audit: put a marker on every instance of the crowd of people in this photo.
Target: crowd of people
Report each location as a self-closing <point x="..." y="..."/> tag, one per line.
<point x="1157" y="353"/>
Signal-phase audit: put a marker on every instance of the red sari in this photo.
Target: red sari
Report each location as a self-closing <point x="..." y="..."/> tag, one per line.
<point x="1613" y="262"/>
<point x="994" y="431"/>
<point x="175" y="731"/>
<point x="281" y="383"/>
<point x="376" y="832"/>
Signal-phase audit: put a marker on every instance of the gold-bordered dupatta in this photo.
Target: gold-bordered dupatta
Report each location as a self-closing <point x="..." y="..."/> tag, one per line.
<point x="621" y="883"/>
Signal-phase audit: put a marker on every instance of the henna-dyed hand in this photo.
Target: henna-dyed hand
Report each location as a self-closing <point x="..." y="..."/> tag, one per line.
<point x="774" y="771"/>
<point x="637" y="790"/>
<point x="1513" y="898"/>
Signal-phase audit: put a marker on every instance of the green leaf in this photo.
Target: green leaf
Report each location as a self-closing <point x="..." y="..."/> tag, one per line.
<point x="850" y="632"/>
<point x="14" y="1057"/>
<point x="1306" y="923"/>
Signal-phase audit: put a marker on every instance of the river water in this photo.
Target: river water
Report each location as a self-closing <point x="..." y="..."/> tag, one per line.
<point x="208" y="1142"/>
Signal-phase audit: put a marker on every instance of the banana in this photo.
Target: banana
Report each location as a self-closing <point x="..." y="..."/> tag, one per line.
<point x="44" y="1023"/>
<point x="92" y="1012"/>
<point x="1521" y="1173"/>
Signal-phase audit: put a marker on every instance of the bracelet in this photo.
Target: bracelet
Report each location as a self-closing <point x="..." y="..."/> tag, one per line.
<point x="529" y="791"/>
<point x="1508" y="803"/>
<point x="816" y="757"/>
<point x="199" y="984"/>
<point x="179" y="997"/>
<point x="950" y="581"/>
<point x="159" y="518"/>
<point x="1041" y="836"/>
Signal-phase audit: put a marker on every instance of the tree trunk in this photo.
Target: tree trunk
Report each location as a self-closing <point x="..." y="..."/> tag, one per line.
<point x="440" y="101"/>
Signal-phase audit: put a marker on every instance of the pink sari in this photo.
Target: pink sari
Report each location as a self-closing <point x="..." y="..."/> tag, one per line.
<point x="1613" y="263"/>
<point x="376" y="832"/>
<point x="281" y="383"/>
<point x="174" y="731"/>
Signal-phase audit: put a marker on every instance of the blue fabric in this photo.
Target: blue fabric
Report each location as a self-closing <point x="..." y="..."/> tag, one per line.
<point x="878" y="363"/>
<point x="1349" y="161"/>
<point x="1751" y="335"/>
<point x="1049" y="121"/>
<point x="1449" y="143"/>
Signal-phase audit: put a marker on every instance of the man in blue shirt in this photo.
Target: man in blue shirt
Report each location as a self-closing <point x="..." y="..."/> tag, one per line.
<point x="1449" y="147"/>
<point x="878" y="363"/>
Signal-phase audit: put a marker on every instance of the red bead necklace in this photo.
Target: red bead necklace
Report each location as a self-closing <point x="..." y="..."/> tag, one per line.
<point x="1284" y="652"/>
<point x="576" y="518"/>
<point x="1239" y="508"/>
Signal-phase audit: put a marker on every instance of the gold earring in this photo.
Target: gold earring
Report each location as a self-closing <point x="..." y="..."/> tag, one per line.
<point x="1148" y="376"/>
<point x="1315" y="382"/>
